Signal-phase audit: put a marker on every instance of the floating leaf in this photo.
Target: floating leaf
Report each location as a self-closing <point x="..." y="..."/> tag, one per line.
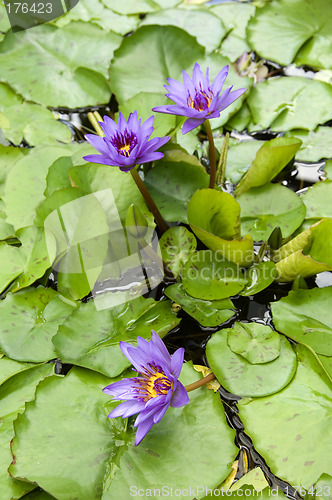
<point x="303" y="31"/>
<point x="315" y="144"/>
<point x="9" y="156"/>
<point x="78" y="431"/>
<point x="255" y="342"/>
<point x="241" y="377"/>
<point x="173" y="181"/>
<point x="177" y="244"/>
<point x="284" y="426"/>
<point x="209" y="277"/>
<point x="259" y="277"/>
<point x="270" y="159"/>
<point x="90" y="338"/>
<point x="239" y="158"/>
<point x="19" y="389"/>
<point x="22" y="198"/>
<point x="206" y="312"/>
<point x="169" y="448"/>
<point x="267" y="207"/>
<point x="29" y="319"/>
<point x="200" y="23"/>
<point x="317" y="200"/>
<point x="58" y="77"/>
<point x="217" y="232"/>
<point x="302" y="316"/>
<point x="166" y="51"/>
<point x="288" y="103"/>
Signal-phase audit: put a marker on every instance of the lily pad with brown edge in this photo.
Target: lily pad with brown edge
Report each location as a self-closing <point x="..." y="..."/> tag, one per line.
<point x="238" y="376"/>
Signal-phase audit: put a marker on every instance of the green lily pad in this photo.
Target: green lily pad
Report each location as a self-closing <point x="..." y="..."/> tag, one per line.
<point x="35" y="124"/>
<point x="303" y="31"/>
<point x="307" y="254"/>
<point x="37" y="257"/>
<point x="239" y="158"/>
<point x="200" y="23"/>
<point x="315" y="144"/>
<point x="322" y="489"/>
<point x="60" y="78"/>
<point x="206" y="312"/>
<point x="317" y="201"/>
<point x="283" y="427"/>
<point x="235" y="17"/>
<point x="270" y="159"/>
<point x="255" y="342"/>
<point x="9" y="156"/>
<point x="90" y="338"/>
<point x="10" y="367"/>
<point x="169" y="447"/>
<point x="217" y="232"/>
<point x="209" y="277"/>
<point x="302" y="316"/>
<point x="328" y="169"/>
<point x="93" y="178"/>
<point x="12" y="264"/>
<point x="288" y="103"/>
<point x="166" y="51"/>
<point x="58" y="175"/>
<point x="14" y="394"/>
<point x="266" y="207"/>
<point x="78" y="430"/>
<point x="259" y="277"/>
<point x="173" y="181"/>
<point x="99" y="13"/>
<point x="29" y="319"/>
<point x="22" y="198"/>
<point x="243" y="378"/>
<point x="177" y="244"/>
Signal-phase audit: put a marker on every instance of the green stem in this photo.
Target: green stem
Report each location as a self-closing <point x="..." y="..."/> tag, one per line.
<point x="200" y="383"/>
<point x="212" y="154"/>
<point x="149" y="201"/>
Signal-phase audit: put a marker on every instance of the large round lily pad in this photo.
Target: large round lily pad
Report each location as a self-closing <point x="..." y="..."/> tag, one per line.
<point x="243" y="378"/>
<point x="292" y="429"/>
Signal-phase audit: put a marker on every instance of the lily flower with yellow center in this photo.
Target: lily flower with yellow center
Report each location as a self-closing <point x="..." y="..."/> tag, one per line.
<point x="155" y="390"/>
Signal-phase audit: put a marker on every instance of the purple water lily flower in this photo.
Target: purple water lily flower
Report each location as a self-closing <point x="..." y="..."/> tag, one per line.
<point x="197" y="98"/>
<point x="125" y="144"/>
<point x="158" y="387"/>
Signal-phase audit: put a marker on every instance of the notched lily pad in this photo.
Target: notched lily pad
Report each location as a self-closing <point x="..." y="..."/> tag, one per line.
<point x="255" y="342"/>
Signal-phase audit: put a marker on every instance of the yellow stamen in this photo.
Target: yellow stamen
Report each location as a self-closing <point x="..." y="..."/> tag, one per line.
<point x="124" y="150"/>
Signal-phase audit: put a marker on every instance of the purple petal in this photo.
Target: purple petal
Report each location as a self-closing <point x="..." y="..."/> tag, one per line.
<point x="127" y="409"/>
<point x="219" y="80"/>
<point x="180" y="396"/>
<point x="97" y="142"/>
<point x="142" y="430"/>
<point x="179" y="99"/>
<point x="189" y="86"/>
<point x="177" y="362"/>
<point x="150" y="157"/>
<point x="161" y="346"/>
<point x="122" y="124"/>
<point x="159" y="414"/>
<point x="147" y="125"/>
<point x="127" y="169"/>
<point x="108" y="126"/>
<point x="101" y="159"/>
<point x="131" y="354"/>
<point x="124" y="389"/>
<point x="190" y="124"/>
<point x="231" y="98"/>
<point x="175" y="86"/>
<point x="198" y="76"/>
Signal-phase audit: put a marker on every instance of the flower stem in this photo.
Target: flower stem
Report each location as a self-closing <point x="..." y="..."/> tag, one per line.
<point x="149" y="201"/>
<point x="212" y="154"/>
<point x="94" y="122"/>
<point x="200" y="383"/>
